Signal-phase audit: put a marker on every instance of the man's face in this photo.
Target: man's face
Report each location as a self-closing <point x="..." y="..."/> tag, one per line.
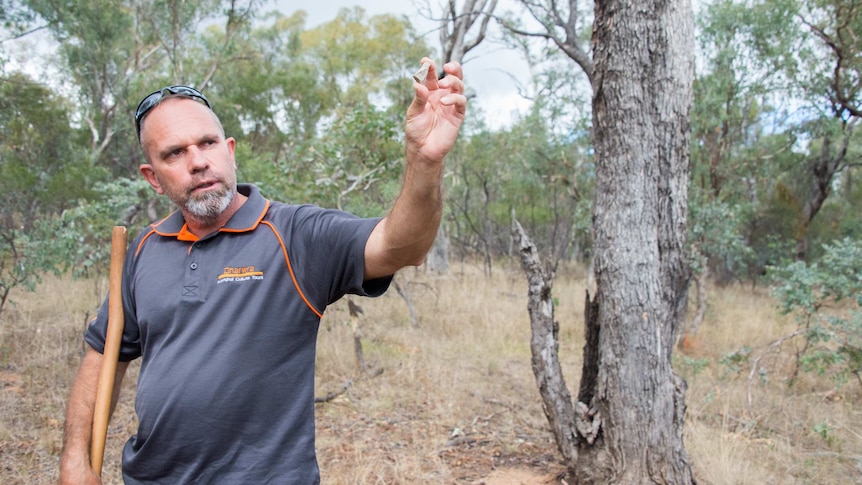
<point x="189" y="159"/>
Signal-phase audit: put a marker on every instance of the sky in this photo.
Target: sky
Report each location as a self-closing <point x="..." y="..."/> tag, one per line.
<point x="491" y="71"/>
<point x="488" y="73"/>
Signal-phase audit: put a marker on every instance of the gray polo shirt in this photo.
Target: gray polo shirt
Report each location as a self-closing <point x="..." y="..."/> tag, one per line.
<point x="226" y="327"/>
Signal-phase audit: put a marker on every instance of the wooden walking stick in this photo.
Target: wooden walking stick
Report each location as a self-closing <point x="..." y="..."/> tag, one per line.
<point x="111" y="355"/>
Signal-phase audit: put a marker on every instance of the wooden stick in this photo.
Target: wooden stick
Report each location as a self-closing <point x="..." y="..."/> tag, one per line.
<point x="111" y="355"/>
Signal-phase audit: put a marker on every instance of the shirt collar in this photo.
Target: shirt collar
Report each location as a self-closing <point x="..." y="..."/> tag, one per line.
<point x="246" y="218"/>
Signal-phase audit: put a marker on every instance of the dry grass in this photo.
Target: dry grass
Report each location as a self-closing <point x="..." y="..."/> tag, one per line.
<point x="455" y="401"/>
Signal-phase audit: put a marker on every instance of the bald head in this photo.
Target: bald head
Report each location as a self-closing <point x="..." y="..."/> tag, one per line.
<point x="172" y="114"/>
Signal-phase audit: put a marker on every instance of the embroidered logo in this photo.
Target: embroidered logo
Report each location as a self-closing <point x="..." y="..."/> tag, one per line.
<point x="245" y="273"/>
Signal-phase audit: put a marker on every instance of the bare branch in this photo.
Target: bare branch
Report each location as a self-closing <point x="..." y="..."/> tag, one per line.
<point x="23" y="34"/>
<point x="551" y="20"/>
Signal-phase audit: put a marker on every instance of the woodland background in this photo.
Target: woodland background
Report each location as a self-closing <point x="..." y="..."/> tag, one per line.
<point x="317" y="110"/>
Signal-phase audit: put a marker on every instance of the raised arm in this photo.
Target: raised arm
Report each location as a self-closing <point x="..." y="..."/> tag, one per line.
<point x="434" y="119"/>
<point x="75" y="461"/>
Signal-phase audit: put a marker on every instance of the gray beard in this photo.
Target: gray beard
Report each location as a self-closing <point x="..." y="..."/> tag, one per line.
<point x="210" y="206"/>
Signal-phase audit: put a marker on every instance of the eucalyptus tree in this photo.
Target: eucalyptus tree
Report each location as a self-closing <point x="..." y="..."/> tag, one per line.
<point x="814" y="46"/>
<point x="626" y="423"/>
<point x="528" y="171"/>
<point x="42" y="174"/>
<point x="733" y="150"/>
<point x="363" y="59"/>
<point x="112" y="51"/>
<point x="362" y="65"/>
<point x="476" y="194"/>
<point x="639" y="229"/>
<point x="567" y="25"/>
<point x="461" y="29"/>
<point x="457" y="25"/>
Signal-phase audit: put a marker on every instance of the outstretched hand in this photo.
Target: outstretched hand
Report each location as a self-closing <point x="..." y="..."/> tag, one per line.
<point x="435" y="116"/>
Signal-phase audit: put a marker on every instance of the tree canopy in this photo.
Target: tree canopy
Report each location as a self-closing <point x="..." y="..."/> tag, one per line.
<point x="317" y="109"/>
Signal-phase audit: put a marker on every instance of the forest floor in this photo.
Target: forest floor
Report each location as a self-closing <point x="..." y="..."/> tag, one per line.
<point x="452" y="399"/>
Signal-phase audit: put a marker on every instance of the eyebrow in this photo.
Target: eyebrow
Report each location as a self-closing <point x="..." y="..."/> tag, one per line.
<point x="209" y="137"/>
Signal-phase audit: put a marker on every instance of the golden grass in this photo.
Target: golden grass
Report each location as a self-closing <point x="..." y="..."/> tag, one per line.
<point x="455" y="399"/>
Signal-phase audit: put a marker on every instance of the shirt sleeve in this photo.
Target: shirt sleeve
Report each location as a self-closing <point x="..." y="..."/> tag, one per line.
<point x="327" y="251"/>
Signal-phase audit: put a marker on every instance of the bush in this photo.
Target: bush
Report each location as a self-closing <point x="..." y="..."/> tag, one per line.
<point x="825" y="298"/>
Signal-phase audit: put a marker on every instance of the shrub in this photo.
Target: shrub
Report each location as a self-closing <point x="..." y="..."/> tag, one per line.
<point x="825" y="298"/>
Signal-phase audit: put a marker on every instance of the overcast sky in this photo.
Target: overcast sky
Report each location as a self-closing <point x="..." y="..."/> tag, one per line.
<point x="496" y="92"/>
<point x="488" y="71"/>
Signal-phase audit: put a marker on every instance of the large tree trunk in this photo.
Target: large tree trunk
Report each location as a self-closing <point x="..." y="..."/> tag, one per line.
<point x="642" y="91"/>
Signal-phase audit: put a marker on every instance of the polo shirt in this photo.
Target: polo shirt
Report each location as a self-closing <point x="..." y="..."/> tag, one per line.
<point x="226" y="327"/>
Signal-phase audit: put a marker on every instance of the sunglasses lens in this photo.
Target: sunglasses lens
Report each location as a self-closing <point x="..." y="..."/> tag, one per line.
<point x="147" y="104"/>
<point x="153" y="99"/>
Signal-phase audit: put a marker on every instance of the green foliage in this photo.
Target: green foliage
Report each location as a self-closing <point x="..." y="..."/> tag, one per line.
<point x="546" y="179"/>
<point x="41" y="174"/>
<point x="81" y="241"/>
<point x="359" y="57"/>
<point x="827" y="433"/>
<point x="734" y="362"/>
<point x="825" y="298"/>
<point x="318" y="111"/>
<point x="14" y="19"/>
<point x="269" y="95"/>
<point x="690" y="367"/>
<point x="358" y="158"/>
<point x="714" y="234"/>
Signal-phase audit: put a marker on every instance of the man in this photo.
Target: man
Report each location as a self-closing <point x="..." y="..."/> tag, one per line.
<point x="222" y="299"/>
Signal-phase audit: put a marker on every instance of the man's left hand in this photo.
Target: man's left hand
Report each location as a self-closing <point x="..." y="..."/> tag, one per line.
<point x="435" y="116"/>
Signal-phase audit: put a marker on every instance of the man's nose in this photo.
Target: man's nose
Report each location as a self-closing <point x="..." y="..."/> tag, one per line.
<point x="197" y="160"/>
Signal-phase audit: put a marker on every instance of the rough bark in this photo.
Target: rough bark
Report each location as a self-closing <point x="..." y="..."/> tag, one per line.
<point x="642" y="89"/>
<point x="544" y="347"/>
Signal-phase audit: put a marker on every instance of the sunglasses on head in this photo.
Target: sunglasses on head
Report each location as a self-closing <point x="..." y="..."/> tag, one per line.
<point x="153" y="99"/>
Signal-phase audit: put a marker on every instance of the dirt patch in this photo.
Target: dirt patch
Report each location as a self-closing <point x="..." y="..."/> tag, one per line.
<point x="485" y="463"/>
<point x="520" y="477"/>
<point x="10" y="382"/>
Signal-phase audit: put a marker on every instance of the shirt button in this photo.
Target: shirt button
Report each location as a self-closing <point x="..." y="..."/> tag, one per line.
<point x="193" y="266"/>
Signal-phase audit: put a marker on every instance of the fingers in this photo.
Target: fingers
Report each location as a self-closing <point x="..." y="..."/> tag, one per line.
<point x="454" y="69"/>
<point x="451" y="78"/>
<point x="427" y="74"/>
<point x="448" y="90"/>
<point x="457" y="100"/>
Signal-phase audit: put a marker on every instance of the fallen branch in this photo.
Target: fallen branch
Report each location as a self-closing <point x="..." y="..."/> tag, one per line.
<point x="334" y="394"/>
<point x="755" y="365"/>
<point x="346" y="385"/>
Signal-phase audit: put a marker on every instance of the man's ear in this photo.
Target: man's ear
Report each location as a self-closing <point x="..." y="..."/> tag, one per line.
<point x="231" y="146"/>
<point x="150" y="174"/>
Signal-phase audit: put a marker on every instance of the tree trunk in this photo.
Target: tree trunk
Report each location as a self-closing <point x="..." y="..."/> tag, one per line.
<point x="405" y="294"/>
<point x="544" y="348"/>
<point x="437" y="260"/>
<point x="642" y="91"/>
<point x="355" y="310"/>
<point x="823" y="171"/>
